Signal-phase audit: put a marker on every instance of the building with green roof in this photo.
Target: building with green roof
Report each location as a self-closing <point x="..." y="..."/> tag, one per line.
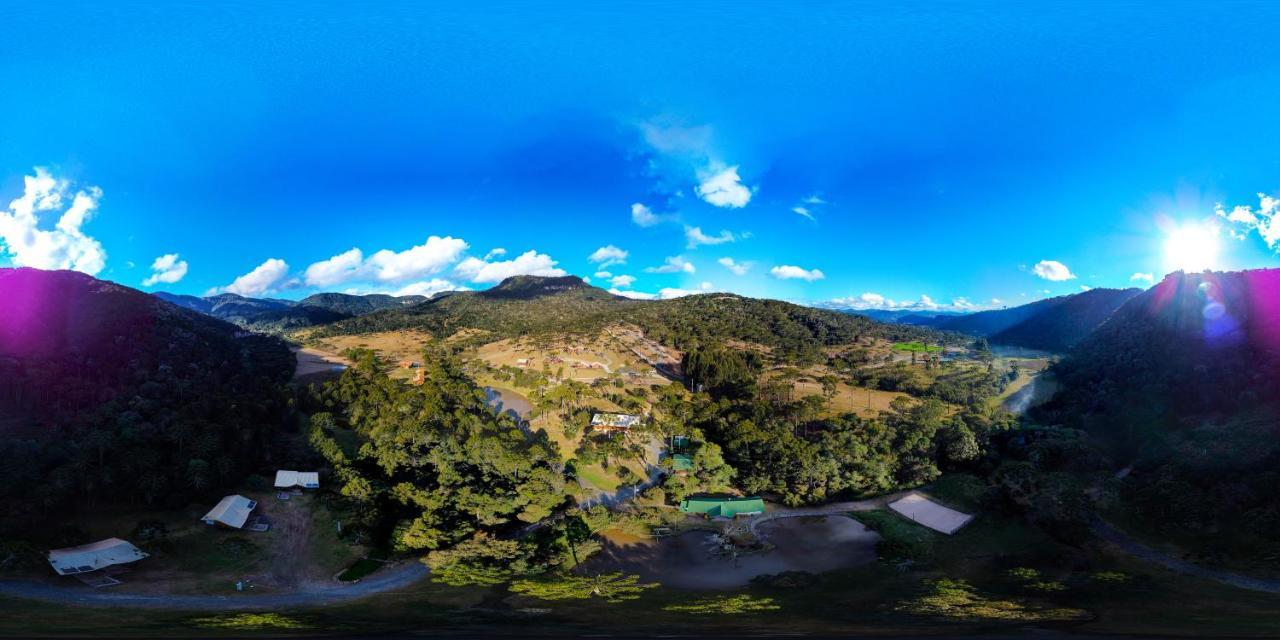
<point x="723" y="507"/>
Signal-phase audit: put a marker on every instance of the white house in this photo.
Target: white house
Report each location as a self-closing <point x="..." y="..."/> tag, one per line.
<point x="94" y="556"/>
<point x="290" y="479"/>
<point x="614" y="421"/>
<point x="232" y="511"/>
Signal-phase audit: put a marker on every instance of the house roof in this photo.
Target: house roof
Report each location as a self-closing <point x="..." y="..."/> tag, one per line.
<point x="232" y="511"/>
<point x="94" y="556"/>
<point x="723" y="507"/>
<point x="921" y="510"/>
<point x="614" y="420"/>
<point x="308" y="479"/>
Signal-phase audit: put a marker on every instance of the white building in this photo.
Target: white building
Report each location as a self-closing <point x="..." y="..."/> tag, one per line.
<point x="232" y="511"/>
<point x="290" y="479"/>
<point x="614" y="421"/>
<point x="94" y="556"/>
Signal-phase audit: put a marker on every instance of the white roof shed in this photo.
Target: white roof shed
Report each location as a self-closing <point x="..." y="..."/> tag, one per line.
<point x="94" y="556"/>
<point x="305" y="479"/>
<point x="232" y="511"/>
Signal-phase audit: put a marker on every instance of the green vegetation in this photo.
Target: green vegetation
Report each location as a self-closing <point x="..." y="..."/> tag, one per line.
<point x="436" y="465"/>
<point x="611" y="587"/>
<point x="726" y="605"/>
<point x="249" y="622"/>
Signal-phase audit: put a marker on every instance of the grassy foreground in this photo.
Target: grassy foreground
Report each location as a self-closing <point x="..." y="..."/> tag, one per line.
<point x="995" y="575"/>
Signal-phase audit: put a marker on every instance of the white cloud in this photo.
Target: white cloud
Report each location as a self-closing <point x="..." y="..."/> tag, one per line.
<point x="738" y="268"/>
<point x="1149" y="278"/>
<point x="265" y="278"/>
<point x="644" y="216"/>
<point x="804" y="211"/>
<point x="634" y="295"/>
<point x="673" y="264"/>
<point x="427" y="288"/>
<point x="1052" y="270"/>
<point x="721" y="186"/>
<point x="602" y="274"/>
<point x="673" y="292"/>
<point x="622" y="282"/>
<point x="1085" y="287"/>
<point x="694" y="237"/>
<point x="495" y="253"/>
<point x="414" y="263"/>
<point x="344" y="267"/>
<point x="608" y="255"/>
<point x="167" y="269"/>
<point x="425" y="259"/>
<point x="65" y="246"/>
<point x="529" y="263"/>
<point x="790" y="272"/>
<point x="871" y="300"/>
<point x="1265" y="220"/>
<point x="814" y="199"/>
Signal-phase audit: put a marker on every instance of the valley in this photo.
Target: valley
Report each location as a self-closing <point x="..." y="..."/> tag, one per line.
<point x="464" y="458"/>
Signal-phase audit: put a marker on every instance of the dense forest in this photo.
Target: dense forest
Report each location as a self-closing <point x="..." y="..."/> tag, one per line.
<point x="111" y="395"/>
<point x="429" y="466"/>
<point x="783" y="446"/>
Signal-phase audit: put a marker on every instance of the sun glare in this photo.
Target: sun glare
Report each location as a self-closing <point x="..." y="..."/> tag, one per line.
<point x="1191" y="247"/>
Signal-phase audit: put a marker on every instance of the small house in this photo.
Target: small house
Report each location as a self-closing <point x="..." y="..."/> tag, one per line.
<point x="522" y="362"/>
<point x="723" y="507"/>
<point x="94" y="556"/>
<point x="420" y="377"/>
<point x="232" y="511"/>
<point x="304" y="479"/>
<point x="614" y="421"/>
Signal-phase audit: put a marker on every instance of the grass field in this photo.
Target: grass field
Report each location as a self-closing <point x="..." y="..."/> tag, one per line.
<point x="917" y="347"/>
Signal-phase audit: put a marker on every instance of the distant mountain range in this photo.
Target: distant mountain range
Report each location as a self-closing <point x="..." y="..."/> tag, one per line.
<point x="1055" y="324"/>
<point x="268" y="314"/>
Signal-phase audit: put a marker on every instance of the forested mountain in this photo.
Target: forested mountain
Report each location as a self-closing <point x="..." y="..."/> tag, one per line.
<point x="107" y="393"/>
<point x="1054" y="324"/>
<point x="529" y="304"/>
<point x="1064" y="324"/>
<point x="264" y="314"/>
<point x="353" y="305"/>
<point x="1184" y="381"/>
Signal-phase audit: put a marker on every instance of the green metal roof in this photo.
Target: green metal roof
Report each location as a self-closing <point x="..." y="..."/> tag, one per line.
<point x="723" y="507"/>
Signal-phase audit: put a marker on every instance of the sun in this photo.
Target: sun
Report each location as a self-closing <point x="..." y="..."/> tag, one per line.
<point x="1192" y="247"/>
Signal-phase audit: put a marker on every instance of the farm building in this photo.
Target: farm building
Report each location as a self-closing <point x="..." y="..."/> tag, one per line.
<point x="522" y="362"/>
<point x="232" y="511"/>
<point x="290" y="479"/>
<point x="420" y="377"/>
<point x="614" y="421"/>
<point x="94" y="556"/>
<point x="723" y="507"/>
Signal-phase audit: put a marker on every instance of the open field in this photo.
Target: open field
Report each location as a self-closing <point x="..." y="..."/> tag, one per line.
<point x="317" y="363"/>
<point x="391" y="346"/>
<point x="867" y="403"/>
<point x="917" y="347"/>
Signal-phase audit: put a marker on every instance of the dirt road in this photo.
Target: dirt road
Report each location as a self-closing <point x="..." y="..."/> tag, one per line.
<point x="389" y="580"/>
<point x="1122" y="541"/>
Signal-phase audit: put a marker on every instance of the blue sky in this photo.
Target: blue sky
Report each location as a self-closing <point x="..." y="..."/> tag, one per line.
<point x="964" y="153"/>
